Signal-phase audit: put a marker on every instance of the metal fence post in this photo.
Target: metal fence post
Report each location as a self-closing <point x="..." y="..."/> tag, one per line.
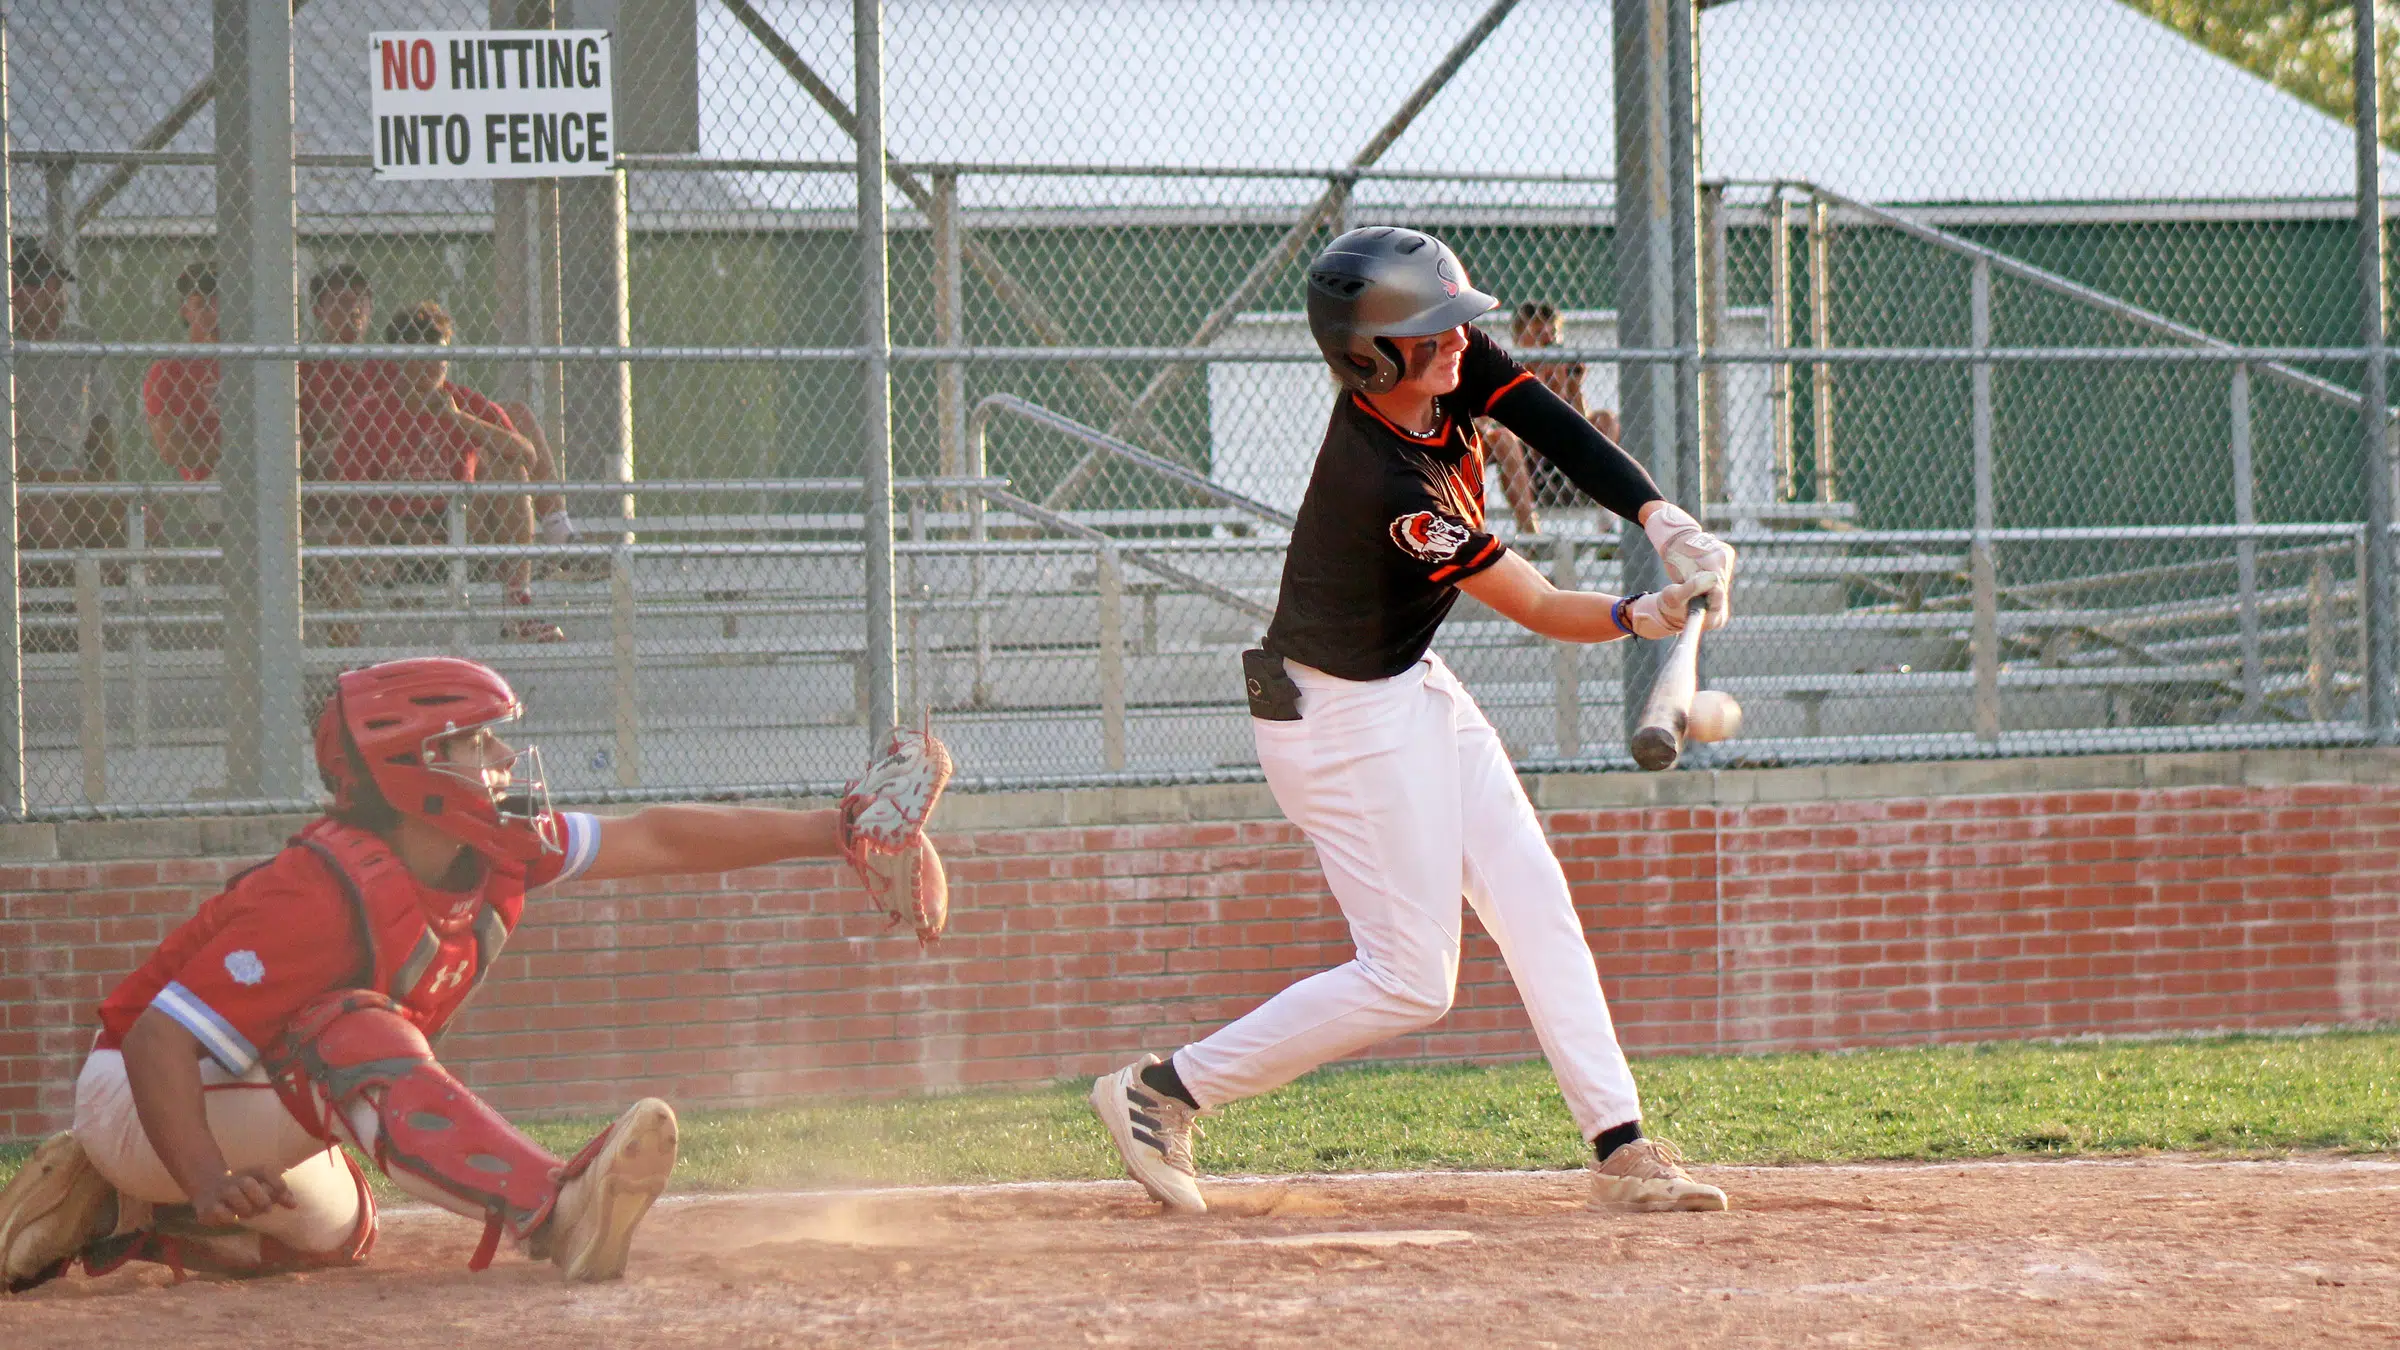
<point x="1779" y="337"/>
<point x="1566" y="660"/>
<point x="454" y="532"/>
<point x="593" y="306"/>
<point x="624" y="683"/>
<point x="137" y="604"/>
<point x="12" y="607"/>
<point x="1683" y="206"/>
<point x="1984" y="569"/>
<point x="2376" y="637"/>
<point x="923" y="680"/>
<point x="525" y="250"/>
<point x="1645" y="281"/>
<point x="875" y="379"/>
<point x="1820" y="336"/>
<point x="258" y="298"/>
<point x="1112" y="659"/>
<point x="2321" y="653"/>
<point x="91" y="668"/>
<point x="949" y="324"/>
<point x="1713" y="478"/>
<point x="2245" y="550"/>
<point x="979" y="685"/>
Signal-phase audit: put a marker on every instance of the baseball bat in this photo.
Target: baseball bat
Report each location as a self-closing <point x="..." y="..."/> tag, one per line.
<point x="1658" y="742"/>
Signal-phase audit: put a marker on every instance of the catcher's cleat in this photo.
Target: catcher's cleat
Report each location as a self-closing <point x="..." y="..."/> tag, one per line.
<point x="1153" y="1134"/>
<point x="591" y="1230"/>
<point x="53" y="1209"/>
<point x="1648" y="1174"/>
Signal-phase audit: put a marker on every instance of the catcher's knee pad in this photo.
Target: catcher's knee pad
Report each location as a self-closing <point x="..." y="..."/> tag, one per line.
<point x="352" y="1049"/>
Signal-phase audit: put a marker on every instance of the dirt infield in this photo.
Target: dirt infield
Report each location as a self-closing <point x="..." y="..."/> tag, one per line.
<point x="2158" y="1251"/>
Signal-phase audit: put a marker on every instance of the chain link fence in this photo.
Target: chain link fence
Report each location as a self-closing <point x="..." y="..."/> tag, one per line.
<point x="2018" y="345"/>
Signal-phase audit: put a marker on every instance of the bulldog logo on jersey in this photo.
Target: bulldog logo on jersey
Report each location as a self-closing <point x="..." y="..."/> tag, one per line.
<point x="1430" y="537"/>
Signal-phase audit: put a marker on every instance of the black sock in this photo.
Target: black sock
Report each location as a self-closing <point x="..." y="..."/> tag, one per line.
<point x="1161" y="1077"/>
<point x="1615" y="1137"/>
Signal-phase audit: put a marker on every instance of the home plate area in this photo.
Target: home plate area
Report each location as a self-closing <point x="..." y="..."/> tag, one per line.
<point x="2154" y="1251"/>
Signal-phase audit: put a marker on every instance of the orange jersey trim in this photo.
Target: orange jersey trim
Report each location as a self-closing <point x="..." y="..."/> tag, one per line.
<point x="1502" y="391"/>
<point x="1438" y="435"/>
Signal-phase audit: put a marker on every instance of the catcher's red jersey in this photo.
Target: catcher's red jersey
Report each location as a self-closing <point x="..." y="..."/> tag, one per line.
<point x="285" y="932"/>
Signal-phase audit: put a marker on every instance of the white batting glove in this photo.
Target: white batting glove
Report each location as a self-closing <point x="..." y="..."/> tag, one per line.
<point x="1688" y="551"/>
<point x="1663" y="614"/>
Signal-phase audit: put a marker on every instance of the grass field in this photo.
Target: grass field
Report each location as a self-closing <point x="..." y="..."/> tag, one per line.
<point x="2240" y="1094"/>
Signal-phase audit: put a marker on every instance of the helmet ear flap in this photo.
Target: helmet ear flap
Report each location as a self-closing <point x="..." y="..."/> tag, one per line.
<point x="1389" y="364"/>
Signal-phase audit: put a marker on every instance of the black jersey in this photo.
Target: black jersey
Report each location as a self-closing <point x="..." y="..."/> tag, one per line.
<point x="1391" y="524"/>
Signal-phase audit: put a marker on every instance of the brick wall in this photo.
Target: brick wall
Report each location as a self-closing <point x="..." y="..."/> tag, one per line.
<point x="1749" y="910"/>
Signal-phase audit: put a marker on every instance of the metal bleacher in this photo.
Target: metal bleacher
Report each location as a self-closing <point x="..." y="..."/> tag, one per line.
<point x="717" y="651"/>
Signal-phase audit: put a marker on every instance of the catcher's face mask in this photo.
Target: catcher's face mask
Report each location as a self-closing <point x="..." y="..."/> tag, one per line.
<point x="511" y="779"/>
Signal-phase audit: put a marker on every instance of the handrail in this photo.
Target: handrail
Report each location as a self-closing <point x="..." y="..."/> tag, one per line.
<point x="1223" y="595"/>
<point x="2074" y="290"/>
<point x="979" y="423"/>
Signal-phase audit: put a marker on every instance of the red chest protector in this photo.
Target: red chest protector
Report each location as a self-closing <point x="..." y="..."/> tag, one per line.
<point x="427" y="950"/>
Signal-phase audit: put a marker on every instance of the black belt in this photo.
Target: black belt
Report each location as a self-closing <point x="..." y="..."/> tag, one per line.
<point x="1273" y="696"/>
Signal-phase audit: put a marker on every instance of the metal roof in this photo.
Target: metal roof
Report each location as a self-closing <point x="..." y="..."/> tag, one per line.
<point x="1919" y="101"/>
<point x="2006" y="103"/>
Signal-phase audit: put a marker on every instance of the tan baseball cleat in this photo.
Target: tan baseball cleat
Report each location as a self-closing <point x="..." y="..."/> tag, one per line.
<point x="1153" y="1134"/>
<point x="54" y="1208"/>
<point x="591" y="1230"/>
<point x="1648" y="1174"/>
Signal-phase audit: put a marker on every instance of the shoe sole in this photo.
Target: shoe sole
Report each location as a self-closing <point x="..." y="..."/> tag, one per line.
<point x="1108" y="1103"/>
<point x="630" y="1171"/>
<point x="43" y="1191"/>
<point x="1706" y="1200"/>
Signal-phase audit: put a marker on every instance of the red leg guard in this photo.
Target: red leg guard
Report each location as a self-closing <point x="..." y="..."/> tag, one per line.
<point x="350" y="1048"/>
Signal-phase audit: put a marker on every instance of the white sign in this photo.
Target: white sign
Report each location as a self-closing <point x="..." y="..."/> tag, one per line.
<point x="477" y="103"/>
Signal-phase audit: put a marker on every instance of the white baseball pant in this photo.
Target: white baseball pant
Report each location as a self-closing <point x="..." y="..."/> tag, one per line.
<point x="1409" y="798"/>
<point x="252" y="1129"/>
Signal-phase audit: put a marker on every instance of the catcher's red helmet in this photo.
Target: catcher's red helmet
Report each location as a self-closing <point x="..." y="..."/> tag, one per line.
<point x="391" y="714"/>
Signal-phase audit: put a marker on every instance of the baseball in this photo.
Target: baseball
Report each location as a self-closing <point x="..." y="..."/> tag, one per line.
<point x="1714" y="716"/>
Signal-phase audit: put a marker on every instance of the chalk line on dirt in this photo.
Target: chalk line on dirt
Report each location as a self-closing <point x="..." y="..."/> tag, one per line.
<point x="975" y="1188"/>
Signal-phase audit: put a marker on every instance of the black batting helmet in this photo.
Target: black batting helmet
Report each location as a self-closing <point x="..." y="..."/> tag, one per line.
<point x="1383" y="282"/>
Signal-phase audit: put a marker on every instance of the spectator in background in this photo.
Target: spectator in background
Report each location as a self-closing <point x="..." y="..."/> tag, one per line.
<point x="1529" y="481"/>
<point x="179" y="396"/>
<point x="418" y="426"/>
<point x="62" y="426"/>
<point x="342" y="304"/>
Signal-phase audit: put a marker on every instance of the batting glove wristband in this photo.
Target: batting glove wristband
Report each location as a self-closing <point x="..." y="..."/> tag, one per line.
<point x="1662" y="614"/>
<point x="1688" y="550"/>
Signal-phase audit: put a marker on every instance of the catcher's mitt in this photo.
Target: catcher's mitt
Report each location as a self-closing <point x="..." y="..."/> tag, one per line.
<point x="883" y="832"/>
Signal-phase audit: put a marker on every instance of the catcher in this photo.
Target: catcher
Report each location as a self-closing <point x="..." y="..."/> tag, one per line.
<point x="295" y="1011"/>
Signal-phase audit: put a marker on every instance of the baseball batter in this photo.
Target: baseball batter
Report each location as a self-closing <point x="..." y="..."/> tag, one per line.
<point x="295" y="1011"/>
<point x="1374" y="749"/>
